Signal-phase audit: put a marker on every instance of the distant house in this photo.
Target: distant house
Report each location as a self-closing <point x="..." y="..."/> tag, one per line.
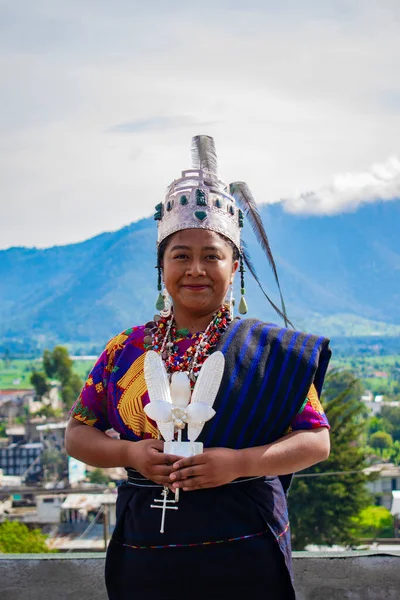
<point x="12" y="402"/>
<point x="52" y="398"/>
<point x="22" y="460"/>
<point x="52" y="434"/>
<point x="368" y="396"/>
<point x="386" y="482"/>
<point x="48" y="508"/>
<point x="78" y="510"/>
<point x="375" y="405"/>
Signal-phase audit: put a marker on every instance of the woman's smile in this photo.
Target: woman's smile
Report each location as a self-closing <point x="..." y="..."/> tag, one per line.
<point x="195" y="287"/>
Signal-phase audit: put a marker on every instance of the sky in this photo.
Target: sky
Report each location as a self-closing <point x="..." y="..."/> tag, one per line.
<point x="99" y="101"/>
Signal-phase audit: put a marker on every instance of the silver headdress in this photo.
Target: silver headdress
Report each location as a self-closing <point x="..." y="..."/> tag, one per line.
<point x="200" y="200"/>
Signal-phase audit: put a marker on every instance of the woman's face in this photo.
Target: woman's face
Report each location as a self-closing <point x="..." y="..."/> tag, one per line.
<point x="197" y="268"/>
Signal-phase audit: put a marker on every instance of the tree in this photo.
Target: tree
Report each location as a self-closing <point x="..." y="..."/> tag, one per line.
<point x="98" y="476"/>
<point x="71" y="390"/>
<point x="323" y="507"/>
<point x="17" y="538"/>
<point x="39" y="382"/>
<point x="374" y="521"/>
<point x="58" y="365"/>
<point x="380" y="440"/>
<point x="391" y="416"/>
<point x="340" y="381"/>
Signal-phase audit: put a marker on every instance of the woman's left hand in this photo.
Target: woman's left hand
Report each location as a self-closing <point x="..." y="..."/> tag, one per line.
<point x="215" y="467"/>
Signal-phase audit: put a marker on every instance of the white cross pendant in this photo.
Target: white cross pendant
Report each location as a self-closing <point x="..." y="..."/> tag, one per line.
<point x="164" y="505"/>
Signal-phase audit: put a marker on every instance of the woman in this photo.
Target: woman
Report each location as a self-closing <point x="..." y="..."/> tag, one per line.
<point x="230" y="532"/>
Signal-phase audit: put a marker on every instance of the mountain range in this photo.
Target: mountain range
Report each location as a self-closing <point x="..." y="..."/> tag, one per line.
<point x="339" y="275"/>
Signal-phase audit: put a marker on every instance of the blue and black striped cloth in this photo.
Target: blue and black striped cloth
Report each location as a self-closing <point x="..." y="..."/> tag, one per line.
<point x="268" y="373"/>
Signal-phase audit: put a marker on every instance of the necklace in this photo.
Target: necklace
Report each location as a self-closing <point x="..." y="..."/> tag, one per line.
<point x="161" y="336"/>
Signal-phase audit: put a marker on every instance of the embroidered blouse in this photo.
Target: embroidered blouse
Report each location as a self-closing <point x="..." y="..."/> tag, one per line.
<point x="115" y="391"/>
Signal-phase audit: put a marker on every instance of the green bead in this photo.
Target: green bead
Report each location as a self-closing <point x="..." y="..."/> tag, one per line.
<point x="243" y="310"/>
<point x="183" y="200"/>
<point x="242" y="291"/>
<point x="160" y="302"/>
<point x="200" y="214"/>
<point x="218" y="203"/>
<point x="158" y="213"/>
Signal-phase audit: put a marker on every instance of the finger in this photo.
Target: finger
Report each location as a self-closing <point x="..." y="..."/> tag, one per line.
<point x="170" y="459"/>
<point x="190" y="461"/>
<point x="159" y="458"/>
<point x="162" y="470"/>
<point x="162" y="480"/>
<point x="194" y="483"/>
<point x="194" y="471"/>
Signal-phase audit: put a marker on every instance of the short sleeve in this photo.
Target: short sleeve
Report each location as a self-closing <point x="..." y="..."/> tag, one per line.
<point x="311" y="415"/>
<point x="91" y="406"/>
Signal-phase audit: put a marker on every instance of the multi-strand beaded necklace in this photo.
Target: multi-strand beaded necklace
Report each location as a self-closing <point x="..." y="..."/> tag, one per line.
<point x="161" y="335"/>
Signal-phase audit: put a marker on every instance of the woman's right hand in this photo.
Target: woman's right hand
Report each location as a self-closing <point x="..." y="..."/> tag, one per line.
<point x="147" y="457"/>
<point x="94" y="447"/>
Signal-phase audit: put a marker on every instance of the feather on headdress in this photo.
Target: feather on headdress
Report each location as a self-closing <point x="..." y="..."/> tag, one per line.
<point x="204" y="156"/>
<point x="240" y="191"/>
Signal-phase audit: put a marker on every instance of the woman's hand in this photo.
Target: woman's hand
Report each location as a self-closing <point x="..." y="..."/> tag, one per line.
<point x="215" y="467"/>
<point x="147" y="457"/>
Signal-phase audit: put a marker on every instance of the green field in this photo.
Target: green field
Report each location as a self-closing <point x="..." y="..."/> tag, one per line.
<point x="380" y="374"/>
<point x="15" y="374"/>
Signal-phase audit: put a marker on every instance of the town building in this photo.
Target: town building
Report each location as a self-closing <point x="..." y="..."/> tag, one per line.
<point x="22" y="460"/>
<point x="386" y="481"/>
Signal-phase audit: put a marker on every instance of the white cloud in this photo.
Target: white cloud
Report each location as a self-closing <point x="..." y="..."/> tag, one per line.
<point x="100" y="100"/>
<point x="348" y="191"/>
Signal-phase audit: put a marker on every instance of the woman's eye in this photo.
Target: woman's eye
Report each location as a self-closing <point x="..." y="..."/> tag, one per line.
<point x="180" y="256"/>
<point x="212" y="257"/>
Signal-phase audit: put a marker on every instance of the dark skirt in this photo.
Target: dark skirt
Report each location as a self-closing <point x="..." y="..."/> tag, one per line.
<point x="223" y="548"/>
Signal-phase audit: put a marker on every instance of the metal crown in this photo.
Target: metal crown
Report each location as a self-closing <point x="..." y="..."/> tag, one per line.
<point x="199" y="200"/>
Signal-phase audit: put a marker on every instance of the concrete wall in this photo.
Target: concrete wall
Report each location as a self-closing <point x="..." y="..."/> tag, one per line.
<point x="346" y="576"/>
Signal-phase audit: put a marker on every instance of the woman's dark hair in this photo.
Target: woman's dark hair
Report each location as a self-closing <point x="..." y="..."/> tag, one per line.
<point x="162" y="247"/>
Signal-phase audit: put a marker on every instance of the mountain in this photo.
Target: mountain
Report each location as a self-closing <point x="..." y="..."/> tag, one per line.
<point x="339" y="275"/>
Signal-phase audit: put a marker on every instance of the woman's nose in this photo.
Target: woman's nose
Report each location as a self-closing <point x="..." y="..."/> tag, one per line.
<point x="196" y="268"/>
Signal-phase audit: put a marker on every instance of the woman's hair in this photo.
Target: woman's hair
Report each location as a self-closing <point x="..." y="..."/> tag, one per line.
<point x="162" y="247"/>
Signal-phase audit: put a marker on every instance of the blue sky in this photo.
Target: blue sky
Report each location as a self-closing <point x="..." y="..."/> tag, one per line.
<point x="99" y="102"/>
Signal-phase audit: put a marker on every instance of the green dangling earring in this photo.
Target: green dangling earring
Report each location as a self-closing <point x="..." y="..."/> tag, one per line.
<point x="243" y="309"/>
<point x="160" y="304"/>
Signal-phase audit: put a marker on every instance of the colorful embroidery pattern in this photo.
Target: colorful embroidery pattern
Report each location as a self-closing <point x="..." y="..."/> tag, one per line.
<point x="130" y="405"/>
<point x="83" y="413"/>
<point x="311" y="415"/>
<point x="235" y="539"/>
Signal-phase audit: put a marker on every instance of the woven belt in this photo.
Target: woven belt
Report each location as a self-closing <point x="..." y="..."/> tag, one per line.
<point x="138" y="480"/>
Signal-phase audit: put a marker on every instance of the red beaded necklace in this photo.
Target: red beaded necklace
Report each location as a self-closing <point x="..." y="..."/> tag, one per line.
<point x="165" y="336"/>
